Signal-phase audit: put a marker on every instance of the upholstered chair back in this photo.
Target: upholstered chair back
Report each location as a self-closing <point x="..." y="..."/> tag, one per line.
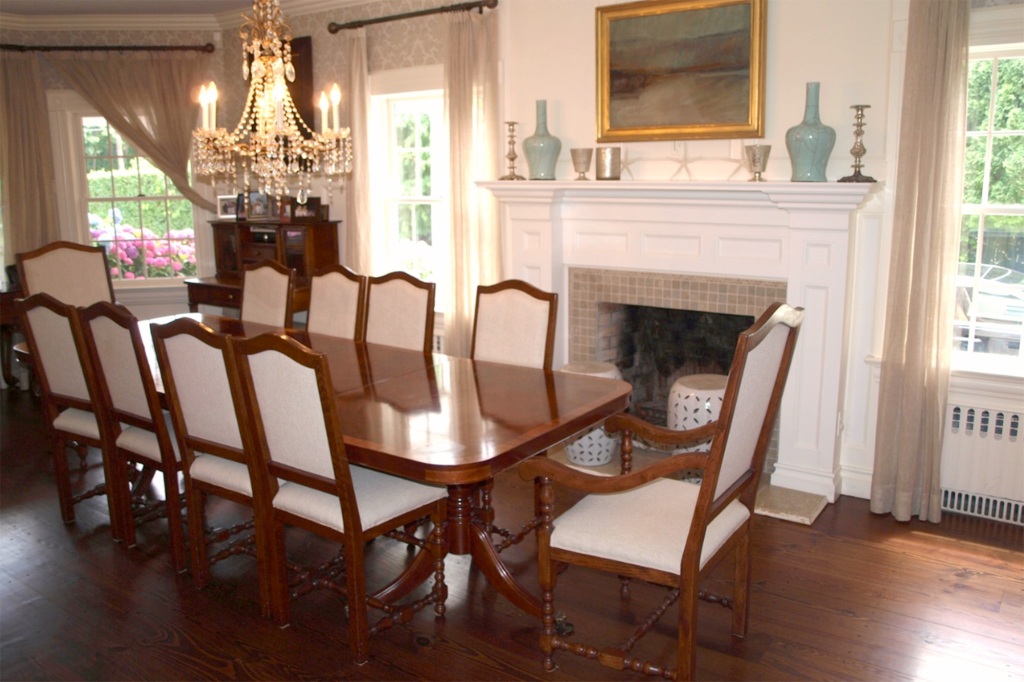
<point x="294" y="425"/>
<point x="119" y="366"/>
<point x="267" y="294"/>
<point x="55" y="351"/>
<point x="515" y="325"/>
<point x="400" y="311"/>
<point x="759" y="373"/>
<point x="201" y="389"/>
<point x="337" y="303"/>
<point x="72" y="273"/>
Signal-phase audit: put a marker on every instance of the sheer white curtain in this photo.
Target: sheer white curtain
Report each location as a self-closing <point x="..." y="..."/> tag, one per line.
<point x="26" y="162"/>
<point x="356" y="253"/>
<point x="471" y="82"/>
<point x="918" y="333"/>
<point x="148" y="99"/>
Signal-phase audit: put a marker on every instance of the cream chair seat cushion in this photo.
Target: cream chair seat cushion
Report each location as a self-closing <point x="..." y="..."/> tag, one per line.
<point x="144" y="442"/>
<point x="223" y="472"/>
<point x="80" y="422"/>
<point x="380" y="497"/>
<point x="646" y="526"/>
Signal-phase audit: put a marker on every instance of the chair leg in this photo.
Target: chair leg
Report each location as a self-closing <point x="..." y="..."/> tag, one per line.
<point x="195" y="501"/>
<point x="275" y="574"/>
<point x="686" y="648"/>
<point x="175" y="527"/>
<point x="62" y="472"/>
<point x="741" y="589"/>
<point x="358" y="618"/>
<point x="119" y="498"/>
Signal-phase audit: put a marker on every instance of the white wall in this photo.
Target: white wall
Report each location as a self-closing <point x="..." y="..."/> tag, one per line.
<point x="549" y="52"/>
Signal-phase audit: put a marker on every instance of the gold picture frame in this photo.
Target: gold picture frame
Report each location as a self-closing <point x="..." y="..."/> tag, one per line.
<point x="680" y="69"/>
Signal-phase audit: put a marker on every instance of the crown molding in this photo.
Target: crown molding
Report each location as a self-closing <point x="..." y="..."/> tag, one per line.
<point x="163" y="22"/>
<point x="110" y="22"/>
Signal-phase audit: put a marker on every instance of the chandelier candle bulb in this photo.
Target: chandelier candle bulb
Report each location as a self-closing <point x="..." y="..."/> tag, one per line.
<point x="335" y="101"/>
<point x="211" y="93"/>
<point x="203" y="97"/>
<point x="324" y="121"/>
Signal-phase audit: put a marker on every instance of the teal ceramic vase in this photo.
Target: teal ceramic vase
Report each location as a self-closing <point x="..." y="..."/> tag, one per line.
<point x="542" y="148"/>
<point x="810" y="142"/>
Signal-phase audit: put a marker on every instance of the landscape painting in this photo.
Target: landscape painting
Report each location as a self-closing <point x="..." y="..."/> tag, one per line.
<point x="680" y="69"/>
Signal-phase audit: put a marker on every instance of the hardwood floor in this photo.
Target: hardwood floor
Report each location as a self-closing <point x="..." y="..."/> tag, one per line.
<point x="856" y="597"/>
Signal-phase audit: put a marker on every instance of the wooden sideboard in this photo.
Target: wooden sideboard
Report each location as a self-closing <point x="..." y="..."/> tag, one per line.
<point x="10" y="322"/>
<point x="303" y="246"/>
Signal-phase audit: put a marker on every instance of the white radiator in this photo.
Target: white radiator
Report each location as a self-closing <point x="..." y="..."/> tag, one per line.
<point x="983" y="457"/>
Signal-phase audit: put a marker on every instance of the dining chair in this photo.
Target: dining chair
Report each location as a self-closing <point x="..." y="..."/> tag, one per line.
<point x="267" y="289"/>
<point x="196" y="368"/>
<point x="337" y="303"/>
<point x="647" y="525"/>
<point x="515" y="324"/>
<point x="54" y="337"/>
<point x="400" y="311"/>
<point x="72" y="273"/>
<point x="304" y="480"/>
<point x="136" y="430"/>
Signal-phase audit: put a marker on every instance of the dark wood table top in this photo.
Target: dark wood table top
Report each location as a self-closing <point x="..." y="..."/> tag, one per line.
<point x="444" y="419"/>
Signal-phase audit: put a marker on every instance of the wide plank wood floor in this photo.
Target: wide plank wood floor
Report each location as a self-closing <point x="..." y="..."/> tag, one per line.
<point x="855" y="597"/>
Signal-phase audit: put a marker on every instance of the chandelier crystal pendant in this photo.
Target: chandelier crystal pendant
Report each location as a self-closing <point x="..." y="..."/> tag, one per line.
<point x="271" y="141"/>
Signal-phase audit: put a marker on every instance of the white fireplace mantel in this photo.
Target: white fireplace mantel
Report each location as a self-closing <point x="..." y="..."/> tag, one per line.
<point x="782" y="231"/>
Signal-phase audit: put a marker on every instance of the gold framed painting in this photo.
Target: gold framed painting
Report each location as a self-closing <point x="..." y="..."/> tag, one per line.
<point x="680" y="69"/>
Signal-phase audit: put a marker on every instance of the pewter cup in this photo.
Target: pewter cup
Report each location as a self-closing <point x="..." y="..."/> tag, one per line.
<point x="757" y="159"/>
<point x="581" y="161"/>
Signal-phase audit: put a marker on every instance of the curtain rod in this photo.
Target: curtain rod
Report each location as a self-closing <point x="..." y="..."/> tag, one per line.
<point x="208" y="47"/>
<point x="460" y="7"/>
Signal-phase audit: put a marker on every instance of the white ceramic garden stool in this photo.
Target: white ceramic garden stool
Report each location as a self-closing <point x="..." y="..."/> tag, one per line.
<point x="592" y="447"/>
<point x="695" y="400"/>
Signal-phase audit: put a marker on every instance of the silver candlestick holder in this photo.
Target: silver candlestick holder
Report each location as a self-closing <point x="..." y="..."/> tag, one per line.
<point x="858" y="149"/>
<point x="511" y="156"/>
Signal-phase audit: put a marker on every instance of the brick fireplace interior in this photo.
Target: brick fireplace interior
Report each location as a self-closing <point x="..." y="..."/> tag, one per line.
<point x="606" y="306"/>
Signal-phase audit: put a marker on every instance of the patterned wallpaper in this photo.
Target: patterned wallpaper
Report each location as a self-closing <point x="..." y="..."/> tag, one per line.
<point x="410" y="42"/>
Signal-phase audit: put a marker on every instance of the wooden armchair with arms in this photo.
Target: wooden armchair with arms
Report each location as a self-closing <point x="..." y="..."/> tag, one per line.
<point x="649" y="526"/>
<point x="72" y="273"/>
<point x="304" y="480"/>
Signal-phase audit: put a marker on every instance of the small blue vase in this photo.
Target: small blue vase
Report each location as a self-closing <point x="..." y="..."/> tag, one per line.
<point x="542" y="148"/>
<point x="810" y="142"/>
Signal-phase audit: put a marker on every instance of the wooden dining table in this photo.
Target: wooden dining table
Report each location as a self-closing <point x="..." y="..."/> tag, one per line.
<point x="449" y="421"/>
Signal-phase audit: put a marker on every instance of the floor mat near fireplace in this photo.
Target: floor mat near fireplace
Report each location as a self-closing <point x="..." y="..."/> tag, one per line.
<point x="789" y="505"/>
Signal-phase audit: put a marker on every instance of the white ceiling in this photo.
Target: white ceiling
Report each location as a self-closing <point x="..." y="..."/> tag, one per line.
<point x="121" y="7"/>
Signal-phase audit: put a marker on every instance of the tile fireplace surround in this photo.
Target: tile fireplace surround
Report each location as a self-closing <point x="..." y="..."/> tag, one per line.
<point x="769" y="236"/>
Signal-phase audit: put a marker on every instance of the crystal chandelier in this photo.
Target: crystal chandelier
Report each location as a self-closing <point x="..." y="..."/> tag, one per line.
<point x="271" y="141"/>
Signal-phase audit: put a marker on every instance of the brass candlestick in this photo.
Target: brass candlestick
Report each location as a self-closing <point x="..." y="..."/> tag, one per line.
<point x="511" y="156"/>
<point x="858" y="149"/>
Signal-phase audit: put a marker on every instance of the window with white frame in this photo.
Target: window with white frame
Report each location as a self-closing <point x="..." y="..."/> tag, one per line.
<point x="989" y="316"/>
<point x="134" y="211"/>
<point x="112" y="196"/>
<point x="409" y="177"/>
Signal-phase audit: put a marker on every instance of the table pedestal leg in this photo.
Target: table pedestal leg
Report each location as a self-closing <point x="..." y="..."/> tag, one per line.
<point x="465" y="536"/>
